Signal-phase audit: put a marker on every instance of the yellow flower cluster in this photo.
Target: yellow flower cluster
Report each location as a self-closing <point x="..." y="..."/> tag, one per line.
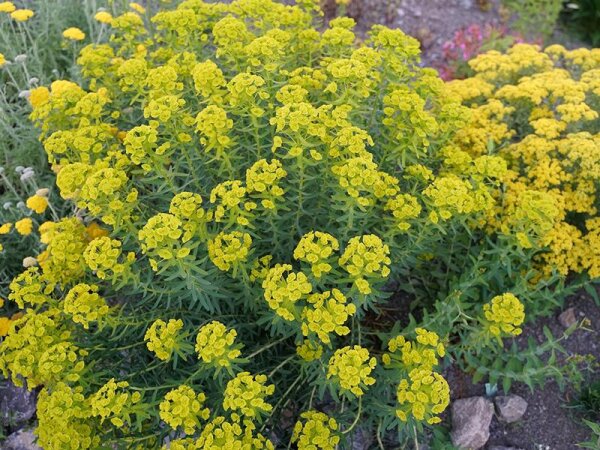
<point x="220" y="434"/>
<point x="37" y="203"/>
<point x="84" y="305"/>
<point x="63" y="261"/>
<point x="22" y="15"/>
<point x="503" y="315"/>
<point x="327" y="313"/>
<point x="161" y="239"/>
<point x="309" y="351"/>
<point x="349" y="369"/>
<point x="102" y="256"/>
<point x="213" y="125"/>
<point x="540" y="109"/>
<point x="30" y="288"/>
<point x="229" y="200"/>
<point x="245" y="395"/>
<point x="422" y="393"/>
<point x="24" y="226"/>
<point x="74" y="34"/>
<point x="7" y="7"/>
<point x="215" y="345"/>
<point x="423" y="353"/>
<point x="316" y="431"/>
<point x="64" y="408"/>
<point x="105" y="193"/>
<point x="161" y="337"/>
<point x="38" y="350"/>
<point x="262" y="181"/>
<point x="141" y="144"/>
<point x="366" y="258"/>
<point x="228" y="250"/>
<point x="112" y="402"/>
<point x="282" y="291"/>
<point x="363" y="181"/>
<point x="182" y="407"/>
<point x="451" y="195"/>
<point x="187" y="207"/>
<point x="403" y="207"/>
<point x="316" y="248"/>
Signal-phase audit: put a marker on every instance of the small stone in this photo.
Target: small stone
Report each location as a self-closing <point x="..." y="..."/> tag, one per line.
<point x="471" y="419"/>
<point x="567" y="317"/>
<point x="510" y="408"/>
<point x="17" y="404"/>
<point x="21" y="440"/>
<point x="425" y="36"/>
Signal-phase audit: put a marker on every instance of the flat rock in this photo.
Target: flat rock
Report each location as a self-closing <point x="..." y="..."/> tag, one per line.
<point x="471" y="419"/>
<point x="510" y="408"/>
<point x="17" y="404"/>
<point x="568" y="317"/>
<point x="21" y="440"/>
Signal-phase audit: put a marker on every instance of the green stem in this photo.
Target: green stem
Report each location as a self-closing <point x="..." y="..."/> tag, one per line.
<point x="356" y="418"/>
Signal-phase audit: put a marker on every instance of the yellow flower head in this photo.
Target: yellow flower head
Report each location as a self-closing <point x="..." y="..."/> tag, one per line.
<point x="422" y="353"/>
<point x="424" y="395"/>
<point x="30" y="288"/>
<point x="228" y="250"/>
<point x="182" y="407"/>
<point x="22" y="15"/>
<point x="84" y="304"/>
<point x="102" y="256"/>
<point x="349" y="368"/>
<point x="317" y="248"/>
<point x="137" y="8"/>
<point x="5" y="228"/>
<point x="316" y="431"/>
<point x="4" y="326"/>
<point x="104" y="17"/>
<point x="282" y="291"/>
<point x="503" y="315"/>
<point x="7" y="7"/>
<point x="37" y="203"/>
<point x="74" y="34"/>
<point x="162" y="338"/>
<point x="112" y="402"/>
<point x="366" y="257"/>
<point x="38" y="96"/>
<point x="220" y="434"/>
<point x="24" y="226"/>
<point x="245" y="395"/>
<point x="309" y="351"/>
<point x="215" y="344"/>
<point x="327" y="313"/>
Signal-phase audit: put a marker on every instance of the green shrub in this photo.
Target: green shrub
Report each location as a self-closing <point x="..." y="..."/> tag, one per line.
<point x="245" y="193"/>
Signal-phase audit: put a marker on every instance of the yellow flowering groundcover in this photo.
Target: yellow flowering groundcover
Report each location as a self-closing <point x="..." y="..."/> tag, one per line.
<point x="248" y="188"/>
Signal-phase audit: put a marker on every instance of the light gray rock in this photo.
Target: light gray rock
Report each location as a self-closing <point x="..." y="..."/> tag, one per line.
<point x="510" y="408"/>
<point x="568" y="317"/>
<point x="471" y="419"/>
<point x="21" y="440"/>
<point x="17" y="404"/>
